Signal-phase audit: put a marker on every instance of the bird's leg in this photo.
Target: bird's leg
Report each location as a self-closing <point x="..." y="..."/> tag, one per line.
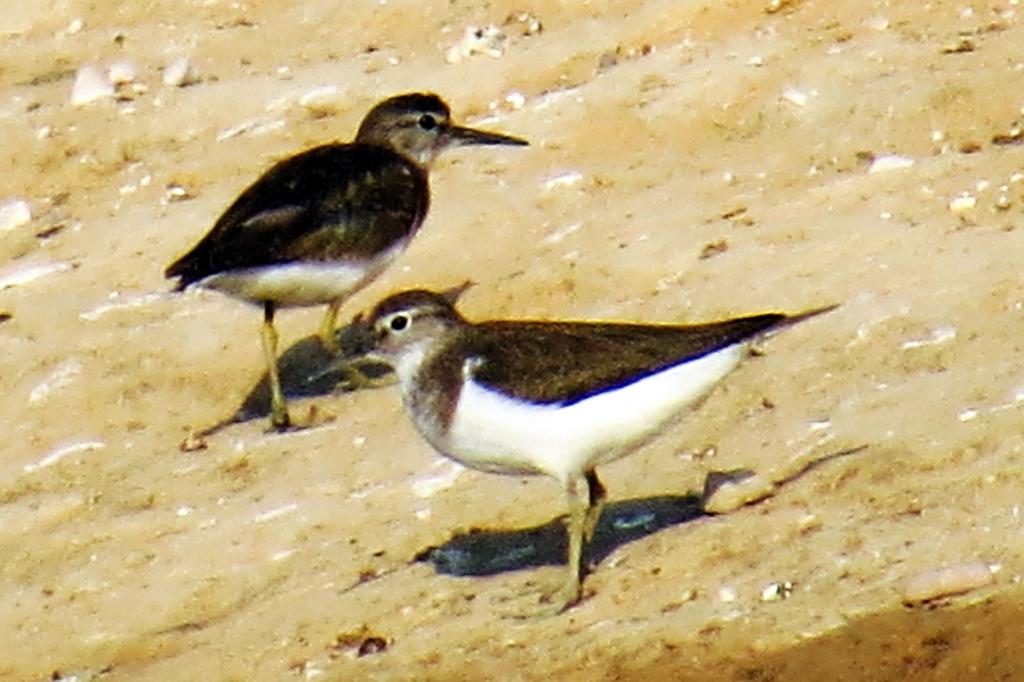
<point x="585" y="496"/>
<point x="355" y="377"/>
<point x="328" y="337"/>
<point x="578" y="497"/>
<point x="279" y="418"/>
<point x="598" y="495"/>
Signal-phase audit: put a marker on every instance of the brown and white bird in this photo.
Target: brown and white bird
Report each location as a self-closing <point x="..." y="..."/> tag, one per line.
<point x="319" y="225"/>
<point x="556" y="398"/>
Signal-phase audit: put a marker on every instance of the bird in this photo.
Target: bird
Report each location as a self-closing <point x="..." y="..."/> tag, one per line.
<point x="321" y="224"/>
<point x="556" y="398"/>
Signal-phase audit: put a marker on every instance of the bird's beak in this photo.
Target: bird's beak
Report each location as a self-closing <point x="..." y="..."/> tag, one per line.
<point x="359" y="340"/>
<point x="459" y="136"/>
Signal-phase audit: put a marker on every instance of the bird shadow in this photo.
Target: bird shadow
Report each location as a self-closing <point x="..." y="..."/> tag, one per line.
<point x="308" y="370"/>
<point x="481" y="552"/>
<point x="489" y="552"/>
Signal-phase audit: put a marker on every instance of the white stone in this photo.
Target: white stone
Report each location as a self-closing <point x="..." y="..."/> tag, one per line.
<point x="276" y="512"/>
<point x="938" y="336"/>
<point x="91" y="84"/>
<point x="59" y="378"/>
<point x="23" y="274"/>
<point x="122" y="71"/>
<point x="62" y="451"/>
<point x="13" y="214"/>
<point x="444" y="477"/>
<point x="178" y="72"/>
<point x="515" y="99"/>
<point x="323" y="100"/>
<point x="890" y="162"/>
<point x="962" y="203"/>
<point x="489" y="40"/>
<point x="567" y="179"/>
<point x="777" y="591"/>
<point x="795" y="97"/>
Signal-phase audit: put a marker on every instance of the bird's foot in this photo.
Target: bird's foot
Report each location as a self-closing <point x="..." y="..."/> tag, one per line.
<point x="313" y="418"/>
<point x="543" y="603"/>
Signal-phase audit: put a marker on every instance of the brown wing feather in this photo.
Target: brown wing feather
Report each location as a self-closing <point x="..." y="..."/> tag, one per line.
<point x="327" y="203"/>
<point x="556" y="362"/>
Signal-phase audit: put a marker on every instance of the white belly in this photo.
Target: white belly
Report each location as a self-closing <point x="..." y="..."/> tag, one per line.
<point x="495" y="433"/>
<point x="299" y="283"/>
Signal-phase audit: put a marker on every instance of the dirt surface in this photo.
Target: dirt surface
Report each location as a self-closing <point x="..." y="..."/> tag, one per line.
<point x="689" y="161"/>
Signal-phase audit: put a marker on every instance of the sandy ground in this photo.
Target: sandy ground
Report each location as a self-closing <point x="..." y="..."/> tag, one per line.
<point x="690" y="161"/>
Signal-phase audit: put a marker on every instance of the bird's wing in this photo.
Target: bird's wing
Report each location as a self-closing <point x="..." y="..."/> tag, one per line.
<point x="327" y="203"/>
<point x="565" y="362"/>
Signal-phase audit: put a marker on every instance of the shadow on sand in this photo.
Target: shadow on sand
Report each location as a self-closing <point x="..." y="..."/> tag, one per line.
<point x="487" y="552"/>
<point x="308" y="370"/>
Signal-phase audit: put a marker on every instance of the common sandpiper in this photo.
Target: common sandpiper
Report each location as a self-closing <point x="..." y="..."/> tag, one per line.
<point x="557" y="398"/>
<point x="321" y="224"/>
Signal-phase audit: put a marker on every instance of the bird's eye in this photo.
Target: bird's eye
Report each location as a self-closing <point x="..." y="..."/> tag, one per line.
<point x="427" y="122"/>
<point x="399" y="323"/>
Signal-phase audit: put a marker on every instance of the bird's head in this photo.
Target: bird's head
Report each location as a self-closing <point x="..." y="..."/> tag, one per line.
<point x="419" y="127"/>
<point x="408" y="326"/>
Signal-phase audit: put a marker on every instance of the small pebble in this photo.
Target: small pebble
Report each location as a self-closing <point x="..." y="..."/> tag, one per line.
<point x="59" y="378"/>
<point x="323" y="100"/>
<point x="946" y="581"/>
<point x="489" y="40"/>
<point x="777" y="591"/>
<point x="968" y="415"/>
<point x="726" y="491"/>
<point x="91" y="84"/>
<point x="179" y="72"/>
<point x="727" y="594"/>
<point x="774" y="6"/>
<point x="712" y="249"/>
<point x="13" y="214"/>
<point x="528" y="24"/>
<point x="561" y="233"/>
<point x="62" y="451"/>
<point x="252" y="127"/>
<point x="193" y="442"/>
<point x="443" y="477"/>
<point x="937" y="337"/>
<point x="175" y="192"/>
<point x="23" y="274"/>
<point x="564" y="180"/>
<point x="962" y="203"/>
<point x="890" y="162"/>
<point x="276" y="512"/>
<point x="122" y="71"/>
<point x="877" y="23"/>
<point x="515" y="99"/>
<point x="795" y="97"/>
